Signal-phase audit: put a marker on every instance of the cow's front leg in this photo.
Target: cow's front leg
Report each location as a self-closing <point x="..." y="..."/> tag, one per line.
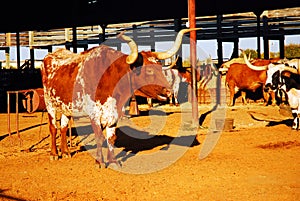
<point x="176" y="99"/>
<point x="231" y="87"/>
<point x="99" y="137"/>
<point x="296" y="122"/>
<point x="149" y="102"/>
<point x="243" y="93"/>
<point x="65" y="152"/>
<point x="111" y="138"/>
<point x="53" y="132"/>
<point x="171" y="100"/>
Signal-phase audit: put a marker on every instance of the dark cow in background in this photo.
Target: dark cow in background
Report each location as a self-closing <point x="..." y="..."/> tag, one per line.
<point x="97" y="83"/>
<point x="175" y="78"/>
<point x="179" y="78"/>
<point x="241" y="77"/>
<point x="284" y="79"/>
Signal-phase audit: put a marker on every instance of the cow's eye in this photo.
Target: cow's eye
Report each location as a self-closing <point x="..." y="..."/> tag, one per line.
<point x="149" y="71"/>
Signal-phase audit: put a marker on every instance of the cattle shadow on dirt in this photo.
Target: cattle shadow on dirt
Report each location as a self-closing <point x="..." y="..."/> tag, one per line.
<point x="21" y="130"/>
<point x="132" y="141"/>
<point x="204" y="115"/>
<point x="8" y="197"/>
<point x="287" y="122"/>
<point x="139" y="141"/>
<point x="255" y="96"/>
<point x="152" y="112"/>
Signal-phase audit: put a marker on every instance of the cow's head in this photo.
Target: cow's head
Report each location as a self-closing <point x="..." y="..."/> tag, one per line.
<point x="146" y="77"/>
<point x="274" y="73"/>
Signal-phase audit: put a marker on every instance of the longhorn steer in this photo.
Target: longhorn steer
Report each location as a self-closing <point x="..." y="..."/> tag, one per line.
<point x="244" y="78"/>
<point x="175" y="77"/>
<point x="98" y="82"/>
<point x="286" y="79"/>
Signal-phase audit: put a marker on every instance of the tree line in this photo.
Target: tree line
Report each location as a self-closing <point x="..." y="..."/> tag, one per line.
<point x="290" y="51"/>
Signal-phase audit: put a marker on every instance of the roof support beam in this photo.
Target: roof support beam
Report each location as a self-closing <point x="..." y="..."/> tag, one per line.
<point x="193" y="56"/>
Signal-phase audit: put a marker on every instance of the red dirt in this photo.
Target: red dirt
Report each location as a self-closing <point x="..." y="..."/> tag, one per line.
<point x="257" y="160"/>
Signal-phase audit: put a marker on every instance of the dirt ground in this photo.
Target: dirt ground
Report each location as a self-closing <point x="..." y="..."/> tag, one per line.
<point x="164" y="157"/>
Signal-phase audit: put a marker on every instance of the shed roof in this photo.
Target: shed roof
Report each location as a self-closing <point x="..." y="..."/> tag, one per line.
<point x="43" y="15"/>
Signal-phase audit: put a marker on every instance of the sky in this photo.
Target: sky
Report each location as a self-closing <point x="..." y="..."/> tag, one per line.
<point x="205" y="48"/>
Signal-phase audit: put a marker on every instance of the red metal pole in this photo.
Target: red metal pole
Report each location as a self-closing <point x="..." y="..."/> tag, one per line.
<point x="193" y="57"/>
<point x="8" y="114"/>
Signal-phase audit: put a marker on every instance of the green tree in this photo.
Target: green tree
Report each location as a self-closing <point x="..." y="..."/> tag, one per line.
<point x="253" y="53"/>
<point x="292" y="50"/>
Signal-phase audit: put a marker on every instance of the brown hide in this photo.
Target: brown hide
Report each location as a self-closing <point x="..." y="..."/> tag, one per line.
<point x="183" y="73"/>
<point x="61" y="76"/>
<point x="105" y="73"/>
<point x="244" y="78"/>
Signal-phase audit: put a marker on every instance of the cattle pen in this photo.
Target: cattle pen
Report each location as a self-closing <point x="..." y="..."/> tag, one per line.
<point x="240" y="152"/>
<point x="270" y="25"/>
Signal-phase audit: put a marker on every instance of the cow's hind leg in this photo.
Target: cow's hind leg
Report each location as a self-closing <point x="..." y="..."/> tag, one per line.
<point x="149" y="102"/>
<point x="171" y="100"/>
<point x="296" y="122"/>
<point x="111" y="137"/>
<point x="231" y="87"/>
<point x="99" y="137"/>
<point x="53" y="132"/>
<point x="176" y="99"/>
<point x="243" y="93"/>
<point x="64" y="149"/>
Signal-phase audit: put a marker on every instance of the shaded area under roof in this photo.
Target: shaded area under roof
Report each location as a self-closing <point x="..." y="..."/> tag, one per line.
<point x="43" y="15"/>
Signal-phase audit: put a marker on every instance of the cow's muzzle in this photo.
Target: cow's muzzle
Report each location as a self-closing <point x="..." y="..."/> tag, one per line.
<point x="164" y="96"/>
<point x="270" y="87"/>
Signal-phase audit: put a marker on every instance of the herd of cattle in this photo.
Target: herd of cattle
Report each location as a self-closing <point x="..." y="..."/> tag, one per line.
<point x="98" y="83"/>
<point x="279" y="80"/>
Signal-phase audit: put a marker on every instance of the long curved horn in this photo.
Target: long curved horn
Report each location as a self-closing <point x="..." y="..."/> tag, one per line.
<point x="171" y="65"/>
<point x="257" y="68"/>
<point x="169" y="53"/>
<point x="133" y="48"/>
<point x="290" y="69"/>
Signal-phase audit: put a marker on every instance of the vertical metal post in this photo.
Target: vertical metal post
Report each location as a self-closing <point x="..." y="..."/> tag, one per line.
<point x="266" y="38"/>
<point x="177" y="26"/>
<point x="219" y="39"/>
<point x="235" y="40"/>
<point x="152" y="36"/>
<point x="193" y="56"/>
<point x="17" y="114"/>
<point x="281" y="44"/>
<point x="18" y="50"/>
<point x="258" y="33"/>
<point x="8" y="114"/>
<point x="32" y="64"/>
<point x="102" y="36"/>
<point x="74" y="41"/>
<point x="220" y="57"/>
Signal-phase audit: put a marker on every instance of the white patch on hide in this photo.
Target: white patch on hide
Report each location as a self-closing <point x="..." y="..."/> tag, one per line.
<point x="152" y="59"/>
<point x="64" y="121"/>
<point x="105" y="115"/>
<point x="236" y="89"/>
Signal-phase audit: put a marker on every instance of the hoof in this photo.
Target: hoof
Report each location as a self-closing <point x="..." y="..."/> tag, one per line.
<point x="67" y="155"/>
<point x="99" y="164"/>
<point x="114" y="165"/>
<point x="53" y="158"/>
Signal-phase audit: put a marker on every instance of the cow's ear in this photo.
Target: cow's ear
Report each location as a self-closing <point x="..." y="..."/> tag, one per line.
<point x="136" y="66"/>
<point x="138" y="62"/>
<point x="136" y="70"/>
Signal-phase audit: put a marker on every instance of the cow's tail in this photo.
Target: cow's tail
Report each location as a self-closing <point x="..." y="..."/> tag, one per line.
<point x="44" y="73"/>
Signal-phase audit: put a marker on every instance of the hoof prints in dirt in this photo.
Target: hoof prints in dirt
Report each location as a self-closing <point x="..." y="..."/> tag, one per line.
<point x="278" y="145"/>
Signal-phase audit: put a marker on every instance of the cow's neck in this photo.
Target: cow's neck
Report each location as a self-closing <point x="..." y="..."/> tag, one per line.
<point x="117" y="86"/>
